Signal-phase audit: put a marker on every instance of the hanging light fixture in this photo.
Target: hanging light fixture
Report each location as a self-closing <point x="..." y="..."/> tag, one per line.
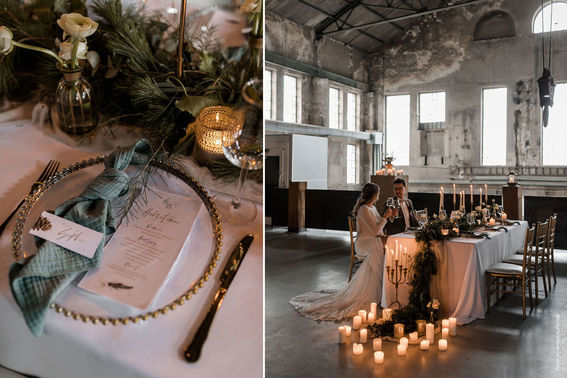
<point x="545" y="82"/>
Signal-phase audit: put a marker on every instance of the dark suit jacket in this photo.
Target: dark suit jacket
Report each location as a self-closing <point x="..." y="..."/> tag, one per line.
<point x="399" y="225"/>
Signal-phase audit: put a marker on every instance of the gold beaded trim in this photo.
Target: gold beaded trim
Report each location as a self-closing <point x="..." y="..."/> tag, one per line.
<point x="192" y="290"/>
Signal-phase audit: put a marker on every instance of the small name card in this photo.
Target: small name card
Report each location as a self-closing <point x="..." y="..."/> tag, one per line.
<point x="67" y="234"/>
<point x="141" y="253"/>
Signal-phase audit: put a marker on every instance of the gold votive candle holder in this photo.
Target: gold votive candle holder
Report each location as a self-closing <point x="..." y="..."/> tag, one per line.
<point x="215" y="127"/>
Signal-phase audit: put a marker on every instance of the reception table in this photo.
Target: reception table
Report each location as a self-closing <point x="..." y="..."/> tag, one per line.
<point x="152" y="348"/>
<point x="459" y="284"/>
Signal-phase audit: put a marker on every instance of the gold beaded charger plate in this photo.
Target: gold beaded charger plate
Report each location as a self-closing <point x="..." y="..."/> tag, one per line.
<point x="195" y="264"/>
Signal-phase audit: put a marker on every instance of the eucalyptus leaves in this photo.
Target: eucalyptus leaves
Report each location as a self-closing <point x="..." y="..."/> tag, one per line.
<point x="76" y="29"/>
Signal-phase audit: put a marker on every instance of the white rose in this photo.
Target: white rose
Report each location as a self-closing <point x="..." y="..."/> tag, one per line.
<point x="249" y="6"/>
<point x="6" y="36"/>
<point x="76" y="25"/>
<point x="435" y="304"/>
<point x="66" y="48"/>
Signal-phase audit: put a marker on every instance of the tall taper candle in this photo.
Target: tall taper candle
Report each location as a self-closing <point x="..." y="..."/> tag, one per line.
<point x="486" y="194"/>
<point x="454" y="197"/>
<point x="472" y="205"/>
<point x="480" y="199"/>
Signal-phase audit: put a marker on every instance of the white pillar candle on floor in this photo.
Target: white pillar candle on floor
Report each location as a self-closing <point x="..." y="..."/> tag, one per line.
<point x="363" y="335"/>
<point x="424" y="345"/>
<point x="387" y="314"/>
<point x="398" y="330"/>
<point x="374" y="308"/>
<point x="357" y="349"/>
<point x="445" y="323"/>
<point x="413" y="337"/>
<point x="402" y="349"/>
<point x="504" y="216"/>
<point x="371" y="318"/>
<point x="362" y="314"/>
<point x="356" y="322"/>
<point x="348" y="330"/>
<point x="377" y="344"/>
<point x="378" y="357"/>
<point x="342" y="335"/>
<point x="453" y="326"/>
<point x="443" y="345"/>
<point x="430" y="332"/>
<point x="445" y="333"/>
<point x="404" y="341"/>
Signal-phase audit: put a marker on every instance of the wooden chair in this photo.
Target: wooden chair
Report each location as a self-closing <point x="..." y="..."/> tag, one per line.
<point x="512" y="275"/>
<point x="538" y="260"/>
<point x="353" y="259"/>
<point x="551" y="250"/>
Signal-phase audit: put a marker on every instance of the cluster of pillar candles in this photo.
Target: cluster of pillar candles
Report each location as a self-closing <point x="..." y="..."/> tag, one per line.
<point x="390" y="172"/>
<point x="427" y="330"/>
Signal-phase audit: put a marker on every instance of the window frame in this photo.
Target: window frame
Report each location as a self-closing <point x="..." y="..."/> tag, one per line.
<point x="436" y="125"/>
<point x="540" y="10"/>
<point x="386" y="146"/>
<point x="273" y="92"/>
<point x="298" y="115"/>
<point x="356" y="110"/>
<point x="504" y="86"/>
<point x="356" y="164"/>
<point x="542" y="130"/>
<point x="340" y="107"/>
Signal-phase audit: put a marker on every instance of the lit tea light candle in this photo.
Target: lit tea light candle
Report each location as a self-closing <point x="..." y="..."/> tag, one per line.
<point x="443" y="345"/>
<point x="398" y="330"/>
<point x="456" y="230"/>
<point x="402" y="348"/>
<point x="387" y="314"/>
<point x="453" y="326"/>
<point x="421" y="327"/>
<point x="215" y="126"/>
<point x="363" y="336"/>
<point x="342" y="335"/>
<point x="424" y="345"/>
<point x="445" y="323"/>
<point x="404" y="341"/>
<point x="504" y="216"/>
<point x="377" y="344"/>
<point x="430" y="332"/>
<point x="356" y="322"/>
<point x="362" y="314"/>
<point x="371" y="318"/>
<point x="445" y="333"/>
<point x="357" y="349"/>
<point x="348" y="330"/>
<point x="413" y="337"/>
<point x="444" y="232"/>
<point x="492" y="222"/>
<point x="379" y="357"/>
<point x="374" y="308"/>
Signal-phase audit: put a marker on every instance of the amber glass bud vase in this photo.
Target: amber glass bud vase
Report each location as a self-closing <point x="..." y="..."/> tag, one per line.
<point x="74" y="100"/>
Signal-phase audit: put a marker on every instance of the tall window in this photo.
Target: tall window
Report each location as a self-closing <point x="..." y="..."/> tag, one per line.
<point x="554" y="151"/>
<point x="334" y="108"/>
<point x="290" y="100"/>
<point x="352" y="164"/>
<point x="268" y="96"/>
<point x="431" y="110"/>
<point x="398" y="128"/>
<point x="559" y="11"/>
<point x="352" y="111"/>
<point x="494" y="126"/>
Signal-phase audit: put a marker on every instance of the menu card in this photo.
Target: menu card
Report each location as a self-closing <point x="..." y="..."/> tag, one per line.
<point x="141" y="253"/>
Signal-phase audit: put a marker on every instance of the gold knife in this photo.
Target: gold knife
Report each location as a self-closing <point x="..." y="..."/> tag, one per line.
<point x="193" y="351"/>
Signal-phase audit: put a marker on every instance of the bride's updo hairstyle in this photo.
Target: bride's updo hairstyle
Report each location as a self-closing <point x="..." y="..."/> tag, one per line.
<point x="369" y="190"/>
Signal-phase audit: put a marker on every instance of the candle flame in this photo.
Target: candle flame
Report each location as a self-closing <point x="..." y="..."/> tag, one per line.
<point x="217" y="117"/>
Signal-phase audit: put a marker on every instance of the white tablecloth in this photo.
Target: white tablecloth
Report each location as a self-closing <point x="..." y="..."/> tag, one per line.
<point x="461" y="263"/>
<point x="154" y="348"/>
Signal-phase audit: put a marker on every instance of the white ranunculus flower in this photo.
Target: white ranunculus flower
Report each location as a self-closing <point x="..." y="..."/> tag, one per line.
<point x="249" y="6"/>
<point x="77" y="26"/>
<point x="6" y="36"/>
<point x="66" y="48"/>
<point x="435" y="304"/>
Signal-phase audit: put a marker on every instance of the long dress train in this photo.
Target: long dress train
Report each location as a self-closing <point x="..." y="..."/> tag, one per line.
<point x="365" y="286"/>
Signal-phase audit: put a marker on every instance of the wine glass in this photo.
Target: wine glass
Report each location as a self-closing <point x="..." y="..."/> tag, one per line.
<point x="442" y="214"/>
<point x="470" y="219"/>
<point x="397" y="206"/>
<point x="390" y="203"/>
<point x="247" y="152"/>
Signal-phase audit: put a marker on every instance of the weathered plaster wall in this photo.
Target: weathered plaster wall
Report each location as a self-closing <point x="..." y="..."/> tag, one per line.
<point x="440" y="54"/>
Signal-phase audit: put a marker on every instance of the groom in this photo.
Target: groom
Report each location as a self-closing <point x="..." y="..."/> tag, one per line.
<point x="406" y="217"/>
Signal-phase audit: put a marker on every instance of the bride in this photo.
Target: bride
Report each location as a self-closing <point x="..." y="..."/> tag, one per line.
<point x="366" y="285"/>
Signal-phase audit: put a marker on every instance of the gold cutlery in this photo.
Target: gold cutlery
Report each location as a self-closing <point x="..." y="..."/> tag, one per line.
<point x="193" y="351"/>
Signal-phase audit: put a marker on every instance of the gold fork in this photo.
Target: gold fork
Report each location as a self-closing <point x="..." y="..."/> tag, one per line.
<point x="49" y="170"/>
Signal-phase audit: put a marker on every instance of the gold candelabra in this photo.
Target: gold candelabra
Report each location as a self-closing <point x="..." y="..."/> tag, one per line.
<point x="397" y="275"/>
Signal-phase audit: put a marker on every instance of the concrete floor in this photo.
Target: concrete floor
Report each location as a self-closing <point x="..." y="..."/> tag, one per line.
<point x="502" y="345"/>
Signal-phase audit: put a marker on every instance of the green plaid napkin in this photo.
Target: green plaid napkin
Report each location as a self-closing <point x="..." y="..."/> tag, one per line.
<point x="39" y="279"/>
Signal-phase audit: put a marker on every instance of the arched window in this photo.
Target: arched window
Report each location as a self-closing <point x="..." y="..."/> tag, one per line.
<point x="555" y="9"/>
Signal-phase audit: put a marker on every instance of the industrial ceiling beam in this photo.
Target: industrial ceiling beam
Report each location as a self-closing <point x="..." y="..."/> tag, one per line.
<point x="330" y="15"/>
<point x="405" y="17"/>
<point x="334" y="18"/>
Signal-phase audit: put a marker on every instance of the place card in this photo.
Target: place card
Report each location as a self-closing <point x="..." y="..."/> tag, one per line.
<point x="140" y="255"/>
<point x="67" y="234"/>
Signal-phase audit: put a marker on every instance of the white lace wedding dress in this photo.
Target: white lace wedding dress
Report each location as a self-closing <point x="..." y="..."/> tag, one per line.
<point x="365" y="286"/>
